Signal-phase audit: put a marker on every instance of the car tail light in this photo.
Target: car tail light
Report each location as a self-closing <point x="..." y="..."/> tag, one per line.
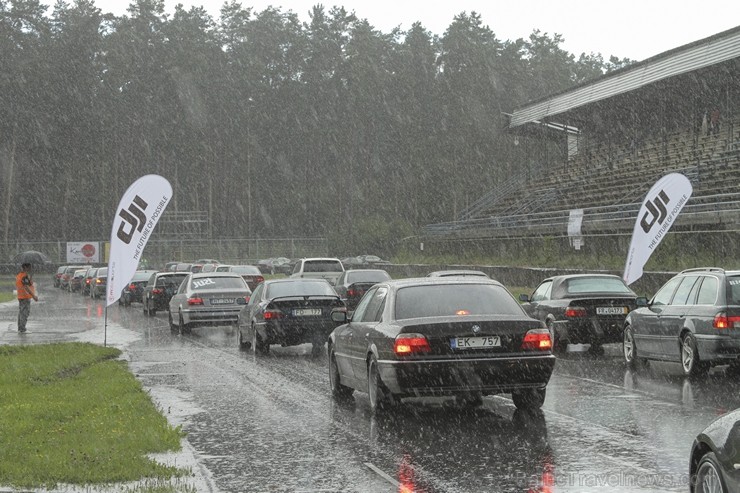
<point x="411" y="344"/>
<point x="132" y="287"/>
<point x="537" y="339"/>
<point x="157" y="291"/>
<point x="259" y="279"/>
<point x="575" y="311"/>
<point x="87" y="281"/>
<point x="98" y="281"/>
<point x="246" y="299"/>
<point x="272" y="314"/>
<point x="722" y="321"/>
<point x="351" y="292"/>
<point x="195" y="301"/>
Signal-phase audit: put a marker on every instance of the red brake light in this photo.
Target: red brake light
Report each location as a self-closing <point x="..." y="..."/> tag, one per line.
<point x="156" y="291"/>
<point x="195" y="301"/>
<point x="575" y="311"/>
<point x="722" y="321"/>
<point x="87" y="281"/>
<point x="272" y="314"/>
<point x="537" y="339"/>
<point x="259" y="279"/>
<point x="411" y="344"/>
<point x="132" y="287"/>
<point x="351" y="292"/>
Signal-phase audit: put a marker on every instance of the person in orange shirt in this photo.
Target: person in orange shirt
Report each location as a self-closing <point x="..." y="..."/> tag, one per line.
<point x="26" y="291"/>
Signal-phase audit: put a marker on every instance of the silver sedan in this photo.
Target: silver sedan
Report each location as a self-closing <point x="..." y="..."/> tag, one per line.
<point x="208" y="299"/>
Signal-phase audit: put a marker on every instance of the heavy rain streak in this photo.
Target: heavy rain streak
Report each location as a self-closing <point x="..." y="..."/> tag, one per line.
<point x="392" y="260"/>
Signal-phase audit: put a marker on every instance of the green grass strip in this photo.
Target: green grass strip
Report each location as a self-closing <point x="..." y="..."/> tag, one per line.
<point x="72" y="413"/>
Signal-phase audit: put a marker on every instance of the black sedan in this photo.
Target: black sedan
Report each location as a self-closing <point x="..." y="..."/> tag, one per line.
<point x="134" y="290"/>
<point x="288" y="312"/>
<point x="440" y="337"/>
<point x="206" y="300"/>
<point x="582" y="308"/>
<point x="159" y="290"/>
<point x="714" y="464"/>
<point x="352" y="284"/>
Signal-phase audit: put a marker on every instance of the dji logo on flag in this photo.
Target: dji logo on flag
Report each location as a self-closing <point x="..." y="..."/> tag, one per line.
<point x="134" y="217"/>
<point x="656" y="209"/>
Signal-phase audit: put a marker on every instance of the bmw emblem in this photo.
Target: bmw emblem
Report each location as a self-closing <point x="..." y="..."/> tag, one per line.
<point x="475" y="329"/>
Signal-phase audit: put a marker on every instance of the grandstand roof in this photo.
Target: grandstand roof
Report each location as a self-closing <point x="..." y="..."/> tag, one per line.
<point x="706" y="52"/>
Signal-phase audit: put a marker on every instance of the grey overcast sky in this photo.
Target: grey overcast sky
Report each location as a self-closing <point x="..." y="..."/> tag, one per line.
<point x="636" y="29"/>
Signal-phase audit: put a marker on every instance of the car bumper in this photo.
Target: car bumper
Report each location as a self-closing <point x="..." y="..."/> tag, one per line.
<point x="718" y="348"/>
<point x="589" y="330"/>
<point x="450" y="376"/>
<point x="208" y="317"/>
<point x="289" y="334"/>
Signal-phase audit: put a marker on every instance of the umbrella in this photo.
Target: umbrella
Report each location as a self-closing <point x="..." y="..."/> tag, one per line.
<point x="31" y="257"/>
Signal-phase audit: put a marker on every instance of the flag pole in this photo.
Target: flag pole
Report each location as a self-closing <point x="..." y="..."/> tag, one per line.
<point x="105" y="327"/>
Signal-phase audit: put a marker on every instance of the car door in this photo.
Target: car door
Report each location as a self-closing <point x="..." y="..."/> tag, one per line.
<point x="179" y="297"/>
<point x="646" y="326"/>
<point x="672" y="319"/>
<point x="364" y="335"/>
<point x="347" y="347"/>
<point x="537" y="306"/>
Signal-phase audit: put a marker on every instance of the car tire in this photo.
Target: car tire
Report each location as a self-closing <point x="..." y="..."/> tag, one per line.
<point x="708" y="476"/>
<point x="690" y="363"/>
<point x="629" y="350"/>
<point x="338" y="391"/>
<point x="529" y="399"/>
<point x="381" y="399"/>
<point x="240" y="342"/>
<point x="182" y="327"/>
<point x="258" y="346"/>
<point x="559" y="345"/>
<point x="173" y="326"/>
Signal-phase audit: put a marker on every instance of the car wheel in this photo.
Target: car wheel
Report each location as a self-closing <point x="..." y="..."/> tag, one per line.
<point x="182" y="327"/>
<point x="690" y="362"/>
<point x="145" y="308"/>
<point x="240" y="342"/>
<point x="381" y="399"/>
<point x="559" y="345"/>
<point x="338" y="391"/>
<point x="629" y="349"/>
<point x="258" y="346"/>
<point x="173" y="327"/>
<point x="529" y="398"/>
<point x="708" y="477"/>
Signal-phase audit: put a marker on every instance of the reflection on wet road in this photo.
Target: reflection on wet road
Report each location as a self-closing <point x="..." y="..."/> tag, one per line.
<point x="269" y="423"/>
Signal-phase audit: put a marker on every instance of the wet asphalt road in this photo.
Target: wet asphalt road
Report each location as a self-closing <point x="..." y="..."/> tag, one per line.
<point x="269" y="424"/>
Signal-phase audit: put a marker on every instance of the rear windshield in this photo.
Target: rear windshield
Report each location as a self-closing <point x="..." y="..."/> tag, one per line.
<point x="245" y="269"/>
<point x="310" y="288"/>
<point x="171" y="280"/>
<point x="733" y="293"/>
<point x="103" y="272"/>
<point x="323" y="266"/>
<point x="378" y="276"/>
<point x="455" y="299"/>
<point x="201" y="283"/>
<point x="142" y="276"/>
<point x="582" y="285"/>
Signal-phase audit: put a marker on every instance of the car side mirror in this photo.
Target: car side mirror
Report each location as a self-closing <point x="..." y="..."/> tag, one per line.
<point x="339" y="317"/>
<point x="641" y="301"/>
<point x="524" y="298"/>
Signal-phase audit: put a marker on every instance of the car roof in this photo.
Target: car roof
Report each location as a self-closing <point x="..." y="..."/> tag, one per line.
<point x="197" y="275"/>
<point x="296" y="279"/>
<point x="431" y="281"/>
<point x="442" y="273"/>
<point x="366" y="270"/>
<point x="332" y="259"/>
<point x="563" y="277"/>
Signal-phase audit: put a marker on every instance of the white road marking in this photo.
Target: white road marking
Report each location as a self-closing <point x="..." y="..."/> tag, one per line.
<point x="382" y="474"/>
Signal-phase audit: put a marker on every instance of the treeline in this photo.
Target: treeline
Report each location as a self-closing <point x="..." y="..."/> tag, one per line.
<point x="275" y="126"/>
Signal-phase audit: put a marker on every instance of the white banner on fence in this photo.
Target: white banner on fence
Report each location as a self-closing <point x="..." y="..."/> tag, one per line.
<point x="662" y="205"/>
<point x="138" y="212"/>
<point x="83" y="252"/>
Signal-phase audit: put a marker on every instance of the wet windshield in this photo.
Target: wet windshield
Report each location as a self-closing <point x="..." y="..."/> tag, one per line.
<point x="447" y="300"/>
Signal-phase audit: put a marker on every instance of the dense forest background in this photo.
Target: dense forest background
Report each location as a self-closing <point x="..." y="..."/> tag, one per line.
<point x="271" y="126"/>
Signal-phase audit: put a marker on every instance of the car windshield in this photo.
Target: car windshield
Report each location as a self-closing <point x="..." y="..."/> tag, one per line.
<point x="322" y="266"/>
<point x="245" y="269"/>
<point x="454" y="299"/>
<point x="141" y="276"/>
<point x="302" y="288"/>
<point x="102" y="272"/>
<point x="378" y="276"/>
<point x="583" y="285"/>
<point x="170" y="280"/>
<point x="203" y="283"/>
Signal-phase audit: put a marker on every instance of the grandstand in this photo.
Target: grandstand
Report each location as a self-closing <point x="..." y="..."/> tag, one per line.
<point x="676" y="112"/>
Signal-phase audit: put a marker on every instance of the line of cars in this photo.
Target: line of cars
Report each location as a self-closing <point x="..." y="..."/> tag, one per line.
<point x="87" y="280"/>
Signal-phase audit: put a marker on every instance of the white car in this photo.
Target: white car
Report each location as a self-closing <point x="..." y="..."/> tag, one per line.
<point x="319" y="268"/>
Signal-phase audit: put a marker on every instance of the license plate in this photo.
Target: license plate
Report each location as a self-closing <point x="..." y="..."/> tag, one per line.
<point x="475" y="342"/>
<point x="611" y="310"/>
<point x="222" y="301"/>
<point x="307" y="312"/>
